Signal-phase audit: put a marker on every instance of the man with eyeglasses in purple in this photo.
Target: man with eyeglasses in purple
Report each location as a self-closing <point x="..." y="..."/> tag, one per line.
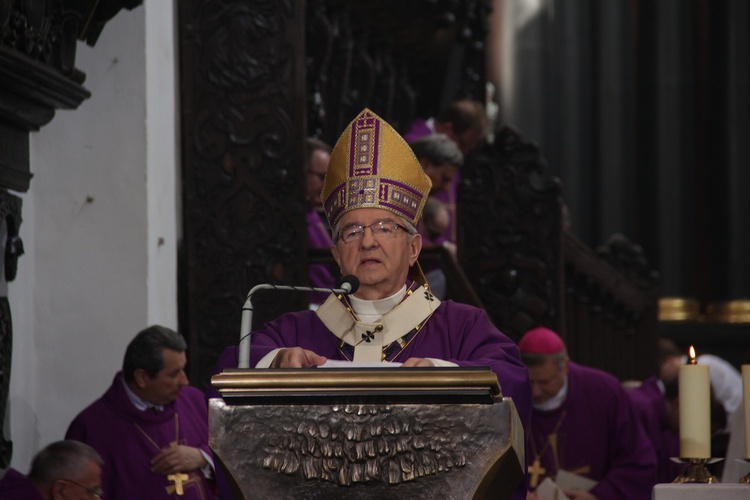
<point x="317" y="154"/>
<point x="67" y="470"/>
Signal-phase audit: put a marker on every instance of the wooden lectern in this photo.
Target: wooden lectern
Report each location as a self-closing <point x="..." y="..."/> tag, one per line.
<point x="366" y="433"/>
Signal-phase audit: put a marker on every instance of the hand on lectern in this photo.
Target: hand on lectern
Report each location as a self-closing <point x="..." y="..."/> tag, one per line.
<point x="417" y="362"/>
<point x="296" y="357"/>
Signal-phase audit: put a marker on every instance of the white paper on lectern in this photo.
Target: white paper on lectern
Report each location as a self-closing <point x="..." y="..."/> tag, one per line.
<point x="571" y="481"/>
<point x="334" y="363"/>
<point x="548" y="490"/>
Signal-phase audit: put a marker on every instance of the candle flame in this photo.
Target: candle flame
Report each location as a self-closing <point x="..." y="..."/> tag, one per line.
<point x="692" y="356"/>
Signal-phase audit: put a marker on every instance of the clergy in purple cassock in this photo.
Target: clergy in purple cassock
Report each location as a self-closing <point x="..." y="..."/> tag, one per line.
<point x="317" y="154"/>
<point x="464" y="122"/>
<point x="373" y="195"/>
<point x="150" y="427"/>
<point x="651" y="408"/>
<point x="583" y="422"/>
<point x="16" y="486"/>
<point x="63" y="469"/>
<point x="319" y="237"/>
<point x="441" y="160"/>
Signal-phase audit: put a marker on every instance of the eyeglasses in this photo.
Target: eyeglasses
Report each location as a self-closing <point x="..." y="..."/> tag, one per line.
<point x="96" y="491"/>
<point x="384" y="228"/>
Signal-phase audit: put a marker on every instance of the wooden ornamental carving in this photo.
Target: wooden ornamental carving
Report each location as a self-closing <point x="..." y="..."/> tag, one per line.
<point x="629" y="258"/>
<point x="529" y="270"/>
<point x="509" y="227"/>
<point x="10" y="215"/>
<point x="400" y="59"/>
<point x="611" y="307"/>
<point x="243" y="193"/>
<point x="37" y="70"/>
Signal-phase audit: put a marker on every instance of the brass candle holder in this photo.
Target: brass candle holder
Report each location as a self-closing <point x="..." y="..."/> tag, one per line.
<point x="696" y="471"/>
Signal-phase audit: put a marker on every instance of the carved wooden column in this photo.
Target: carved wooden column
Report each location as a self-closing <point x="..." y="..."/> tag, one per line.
<point x="10" y="220"/>
<point x="509" y="220"/>
<point x="243" y="115"/>
<point x="37" y="76"/>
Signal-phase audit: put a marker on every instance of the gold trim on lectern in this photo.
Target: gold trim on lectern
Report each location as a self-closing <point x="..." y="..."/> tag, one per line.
<point x="333" y="378"/>
<point x="361" y="381"/>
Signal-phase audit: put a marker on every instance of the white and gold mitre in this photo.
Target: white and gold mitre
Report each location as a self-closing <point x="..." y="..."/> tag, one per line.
<point x="372" y="166"/>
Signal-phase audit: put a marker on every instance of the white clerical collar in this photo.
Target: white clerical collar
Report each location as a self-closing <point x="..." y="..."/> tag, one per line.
<point x="555" y="401"/>
<point x="139" y="403"/>
<point x="661" y="386"/>
<point x="372" y="311"/>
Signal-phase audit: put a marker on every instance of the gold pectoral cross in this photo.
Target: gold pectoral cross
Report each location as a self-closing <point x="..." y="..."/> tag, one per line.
<point x="535" y="471"/>
<point x="177" y="479"/>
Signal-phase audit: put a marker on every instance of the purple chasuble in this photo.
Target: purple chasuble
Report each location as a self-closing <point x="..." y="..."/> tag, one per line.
<point x="598" y="436"/>
<point x="16" y="486"/>
<point x="318" y="236"/>
<point x="455" y="332"/>
<point x="128" y="438"/>
<point x="648" y="403"/>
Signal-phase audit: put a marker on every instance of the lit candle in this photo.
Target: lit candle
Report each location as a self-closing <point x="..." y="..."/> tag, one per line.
<point x="746" y="406"/>
<point x="695" y="409"/>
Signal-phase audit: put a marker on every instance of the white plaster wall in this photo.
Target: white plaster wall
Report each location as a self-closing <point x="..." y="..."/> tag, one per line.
<point x="99" y="229"/>
<point x="162" y="153"/>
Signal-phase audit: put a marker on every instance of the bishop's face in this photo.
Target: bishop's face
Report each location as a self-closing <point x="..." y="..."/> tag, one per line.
<point x="380" y="262"/>
<point x="546" y="380"/>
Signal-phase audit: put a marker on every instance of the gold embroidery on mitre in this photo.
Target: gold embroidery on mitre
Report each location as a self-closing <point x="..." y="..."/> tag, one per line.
<point x="372" y="166"/>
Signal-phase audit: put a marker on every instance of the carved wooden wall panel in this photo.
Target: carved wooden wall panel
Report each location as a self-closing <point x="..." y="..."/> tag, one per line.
<point x="528" y="270"/>
<point x="6" y="351"/>
<point x="243" y="113"/>
<point x="631" y="312"/>
<point x="10" y="221"/>
<point x="401" y="59"/>
<point x="610" y="304"/>
<point x="509" y="220"/>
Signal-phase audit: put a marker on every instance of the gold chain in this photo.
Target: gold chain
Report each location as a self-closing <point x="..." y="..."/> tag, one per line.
<point x="176" y="432"/>
<point x="553" y="433"/>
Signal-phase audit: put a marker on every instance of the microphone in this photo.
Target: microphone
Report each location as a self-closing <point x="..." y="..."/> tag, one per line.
<point x="348" y="285"/>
